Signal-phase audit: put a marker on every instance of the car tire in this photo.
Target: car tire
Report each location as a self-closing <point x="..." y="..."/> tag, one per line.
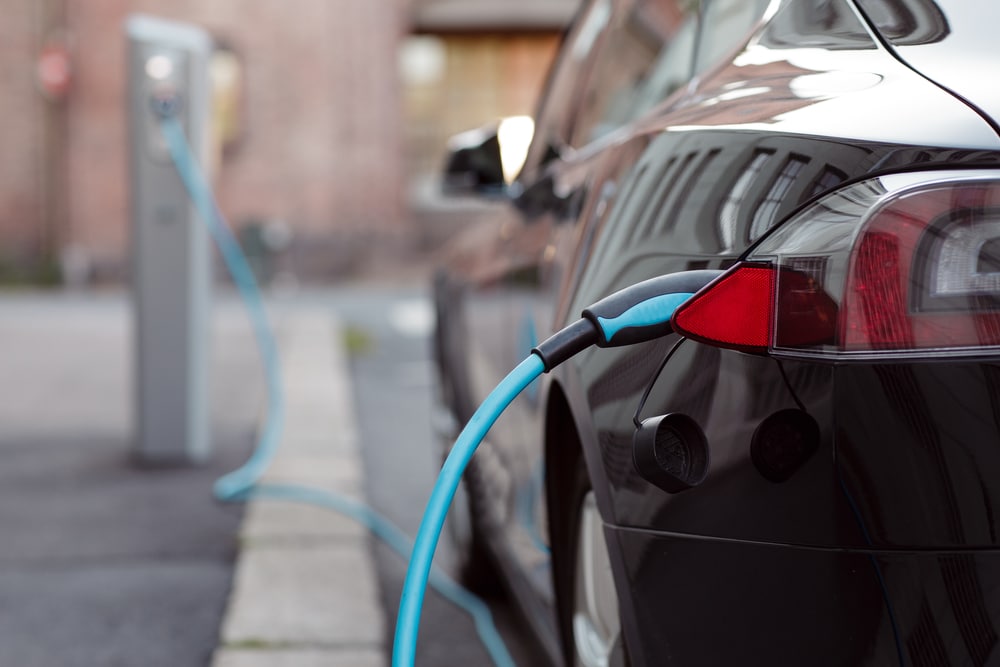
<point x="474" y="565"/>
<point x="587" y="599"/>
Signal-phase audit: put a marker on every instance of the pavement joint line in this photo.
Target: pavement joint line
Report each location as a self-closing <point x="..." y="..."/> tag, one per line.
<point x="295" y="657"/>
<point x="266" y="612"/>
<point x="103" y="562"/>
<point x="268" y="645"/>
<point x="285" y="541"/>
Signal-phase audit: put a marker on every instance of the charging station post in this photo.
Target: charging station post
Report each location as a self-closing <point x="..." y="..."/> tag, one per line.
<point x="171" y="254"/>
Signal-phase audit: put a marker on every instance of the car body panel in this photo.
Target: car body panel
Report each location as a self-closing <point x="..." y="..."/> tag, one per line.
<point x="809" y="606"/>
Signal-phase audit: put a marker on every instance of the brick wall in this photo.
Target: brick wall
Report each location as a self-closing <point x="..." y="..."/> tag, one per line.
<point x="22" y="113"/>
<point x="321" y="147"/>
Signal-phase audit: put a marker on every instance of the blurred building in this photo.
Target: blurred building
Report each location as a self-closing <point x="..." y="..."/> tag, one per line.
<point x="467" y="63"/>
<point x="328" y="109"/>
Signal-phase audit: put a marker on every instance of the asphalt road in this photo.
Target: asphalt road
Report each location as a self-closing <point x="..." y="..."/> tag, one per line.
<point x="387" y="333"/>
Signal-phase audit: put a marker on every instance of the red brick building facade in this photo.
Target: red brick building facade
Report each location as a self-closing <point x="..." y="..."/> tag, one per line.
<point x="320" y="140"/>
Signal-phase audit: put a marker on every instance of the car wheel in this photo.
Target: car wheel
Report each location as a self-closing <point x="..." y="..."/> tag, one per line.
<point x="473" y="562"/>
<point x="595" y="622"/>
<point x="474" y="566"/>
<point x="586" y="598"/>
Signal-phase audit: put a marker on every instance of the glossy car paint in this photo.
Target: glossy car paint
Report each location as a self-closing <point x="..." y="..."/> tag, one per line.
<point x="881" y="548"/>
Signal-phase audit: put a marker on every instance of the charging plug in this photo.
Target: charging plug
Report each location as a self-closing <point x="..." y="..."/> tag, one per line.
<point x="642" y="311"/>
<point x="638" y="313"/>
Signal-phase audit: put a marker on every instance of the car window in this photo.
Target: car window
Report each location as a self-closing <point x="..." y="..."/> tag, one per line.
<point x="647" y="54"/>
<point x="580" y="47"/>
<point x="619" y="58"/>
<point x="725" y="24"/>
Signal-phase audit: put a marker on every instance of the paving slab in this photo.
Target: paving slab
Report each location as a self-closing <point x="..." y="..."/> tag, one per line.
<point x="305" y="594"/>
<point x="281" y="521"/>
<point x="331" y="471"/>
<point x="299" y="658"/>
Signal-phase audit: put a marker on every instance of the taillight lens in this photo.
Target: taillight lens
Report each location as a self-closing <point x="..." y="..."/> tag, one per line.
<point x="754" y="304"/>
<point x="733" y="311"/>
<point x="924" y="272"/>
<point x="901" y="264"/>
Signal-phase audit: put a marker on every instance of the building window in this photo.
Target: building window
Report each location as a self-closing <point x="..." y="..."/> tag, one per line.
<point x="767" y="211"/>
<point x="828" y="179"/>
<point x="730" y="209"/>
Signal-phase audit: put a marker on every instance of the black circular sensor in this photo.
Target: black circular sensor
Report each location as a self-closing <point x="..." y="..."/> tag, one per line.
<point x="671" y="452"/>
<point x="783" y="443"/>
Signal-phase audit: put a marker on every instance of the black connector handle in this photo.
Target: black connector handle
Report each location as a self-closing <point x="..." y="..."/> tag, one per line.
<point x="635" y="314"/>
<point x="642" y="311"/>
<point x="565" y="343"/>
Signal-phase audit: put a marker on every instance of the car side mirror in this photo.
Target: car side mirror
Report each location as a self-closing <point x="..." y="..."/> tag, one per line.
<point x="485" y="161"/>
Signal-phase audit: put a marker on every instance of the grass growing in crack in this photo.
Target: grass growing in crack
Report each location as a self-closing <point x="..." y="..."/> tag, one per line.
<point x="256" y="645"/>
<point x="356" y="340"/>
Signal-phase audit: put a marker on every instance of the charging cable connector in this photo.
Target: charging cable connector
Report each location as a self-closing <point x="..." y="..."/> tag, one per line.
<point x="636" y="314"/>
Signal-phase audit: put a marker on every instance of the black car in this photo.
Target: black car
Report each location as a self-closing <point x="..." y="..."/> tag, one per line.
<point x="813" y="476"/>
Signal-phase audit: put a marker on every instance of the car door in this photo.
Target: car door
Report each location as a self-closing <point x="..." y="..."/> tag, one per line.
<point x="640" y="57"/>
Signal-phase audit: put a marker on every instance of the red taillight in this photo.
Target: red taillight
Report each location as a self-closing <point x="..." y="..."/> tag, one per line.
<point x="754" y="304"/>
<point x="923" y="273"/>
<point x="900" y="264"/>
<point x="875" y="306"/>
<point x="805" y="314"/>
<point x="733" y="311"/>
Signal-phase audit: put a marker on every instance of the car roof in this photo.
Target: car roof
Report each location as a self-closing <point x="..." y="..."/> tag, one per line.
<point x="951" y="42"/>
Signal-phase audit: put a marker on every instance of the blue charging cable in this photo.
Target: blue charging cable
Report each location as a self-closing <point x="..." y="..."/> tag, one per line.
<point x="636" y="314"/>
<point x="244" y="482"/>
<point x="237" y="483"/>
<point x="408" y="621"/>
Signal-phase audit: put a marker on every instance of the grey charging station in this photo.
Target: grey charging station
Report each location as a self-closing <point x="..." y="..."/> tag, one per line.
<point x="171" y="254"/>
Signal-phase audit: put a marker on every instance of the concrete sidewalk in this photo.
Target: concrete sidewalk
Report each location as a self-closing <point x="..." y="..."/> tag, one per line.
<point x="305" y="591"/>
